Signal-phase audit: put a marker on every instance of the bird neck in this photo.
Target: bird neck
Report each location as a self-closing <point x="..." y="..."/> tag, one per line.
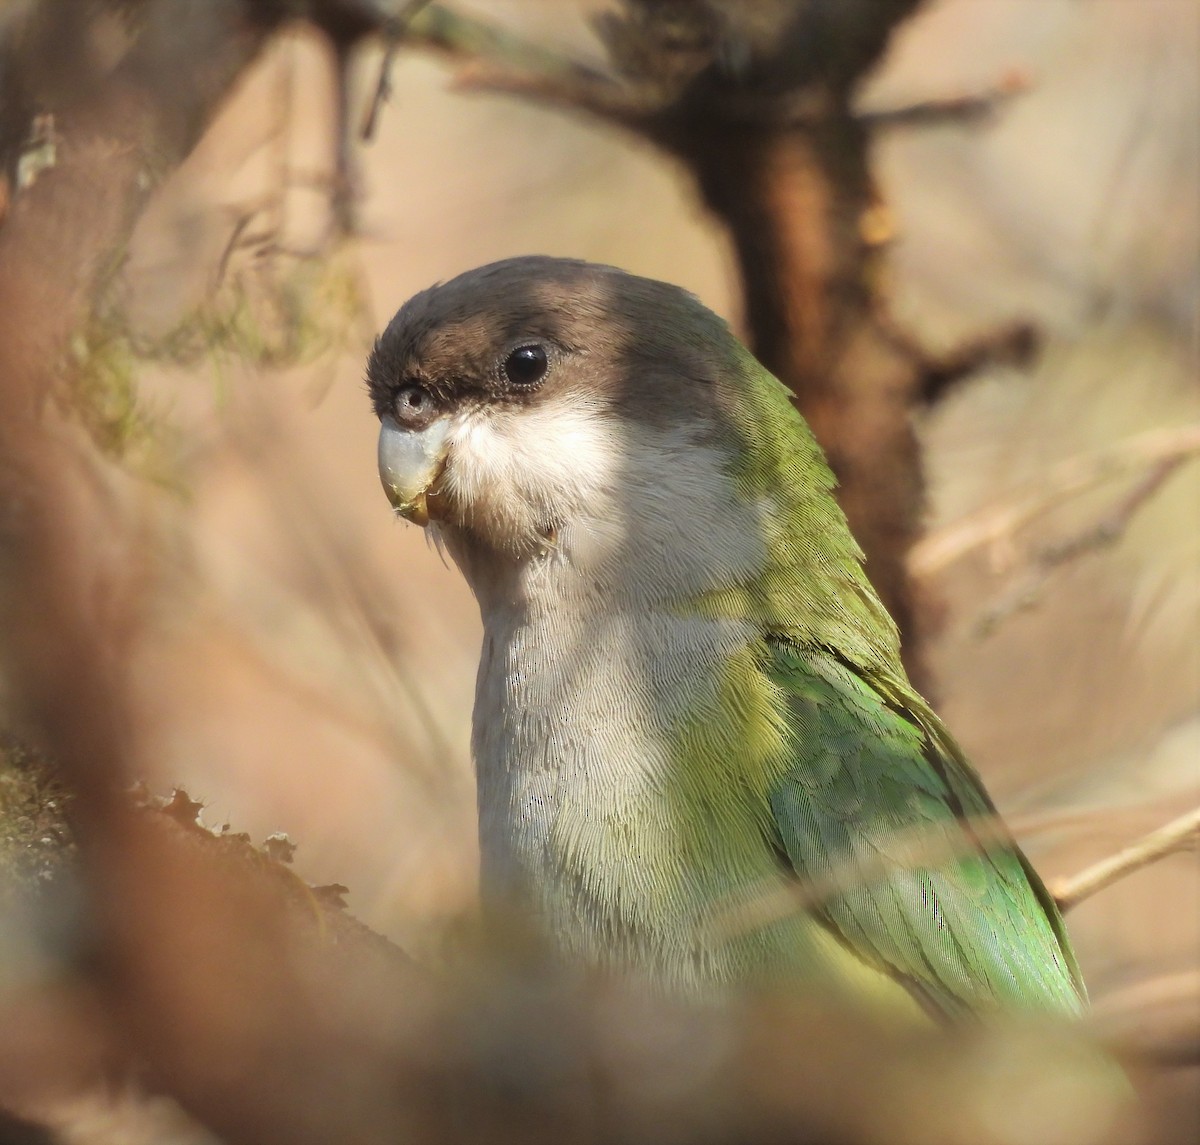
<point x="583" y="700"/>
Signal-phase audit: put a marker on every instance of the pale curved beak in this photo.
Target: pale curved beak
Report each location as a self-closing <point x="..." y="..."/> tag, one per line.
<point x="410" y="461"/>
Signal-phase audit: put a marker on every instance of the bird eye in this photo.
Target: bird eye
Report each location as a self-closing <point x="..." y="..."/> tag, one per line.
<point x="526" y="365"/>
<point x="414" y="407"/>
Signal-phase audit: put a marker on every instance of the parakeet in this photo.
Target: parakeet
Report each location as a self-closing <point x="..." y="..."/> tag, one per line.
<point x="697" y="754"/>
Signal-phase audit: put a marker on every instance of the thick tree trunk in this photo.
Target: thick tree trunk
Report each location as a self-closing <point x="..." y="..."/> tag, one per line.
<point x="796" y="201"/>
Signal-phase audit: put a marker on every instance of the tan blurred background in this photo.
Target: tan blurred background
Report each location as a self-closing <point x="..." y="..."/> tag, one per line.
<point x="314" y="665"/>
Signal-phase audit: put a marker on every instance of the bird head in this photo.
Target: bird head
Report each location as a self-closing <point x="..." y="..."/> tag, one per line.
<point x="511" y="398"/>
<point x="542" y="407"/>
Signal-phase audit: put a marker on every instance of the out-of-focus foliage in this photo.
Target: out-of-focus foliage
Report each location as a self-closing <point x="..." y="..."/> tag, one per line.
<point x="270" y="311"/>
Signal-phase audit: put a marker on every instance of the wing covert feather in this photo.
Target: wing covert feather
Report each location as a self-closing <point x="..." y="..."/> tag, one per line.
<point x="880" y="803"/>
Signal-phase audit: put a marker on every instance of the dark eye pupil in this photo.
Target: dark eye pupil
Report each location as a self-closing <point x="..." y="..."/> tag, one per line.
<point x="525" y="365"/>
<point x="412" y="397"/>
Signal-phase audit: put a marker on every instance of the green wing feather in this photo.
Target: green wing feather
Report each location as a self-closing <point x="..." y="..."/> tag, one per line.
<point x="870" y="777"/>
<point x="882" y="804"/>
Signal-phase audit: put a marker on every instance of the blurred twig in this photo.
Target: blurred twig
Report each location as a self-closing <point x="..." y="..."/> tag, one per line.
<point x="1155" y="1019"/>
<point x="1174" y="836"/>
<point x="966" y="109"/>
<point x="932" y="847"/>
<point x="496" y="59"/>
<point x="907" y="851"/>
<point x="1046" y="560"/>
<point x="394" y="29"/>
<point x="1010" y="344"/>
<point x="1015" y="344"/>
<point x="346" y="181"/>
<point x="996" y="524"/>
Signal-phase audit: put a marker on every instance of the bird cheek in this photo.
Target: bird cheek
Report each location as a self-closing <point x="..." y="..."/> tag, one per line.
<point x="410" y="464"/>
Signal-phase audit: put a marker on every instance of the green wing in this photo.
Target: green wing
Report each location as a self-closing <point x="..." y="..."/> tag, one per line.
<point x="883" y="812"/>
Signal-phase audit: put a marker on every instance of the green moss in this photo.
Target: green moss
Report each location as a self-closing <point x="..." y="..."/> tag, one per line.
<point x="271" y="314"/>
<point x="36" y="845"/>
<point x="103" y="393"/>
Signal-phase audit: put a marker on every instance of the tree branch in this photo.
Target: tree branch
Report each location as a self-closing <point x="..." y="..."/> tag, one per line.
<point x="393" y="31"/>
<point x="967" y="110"/>
<point x="999" y="522"/>
<point x="1175" y="836"/>
<point x="1015" y="344"/>
<point x="1050" y="559"/>
<point x="1011" y="344"/>
<point x="502" y="61"/>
